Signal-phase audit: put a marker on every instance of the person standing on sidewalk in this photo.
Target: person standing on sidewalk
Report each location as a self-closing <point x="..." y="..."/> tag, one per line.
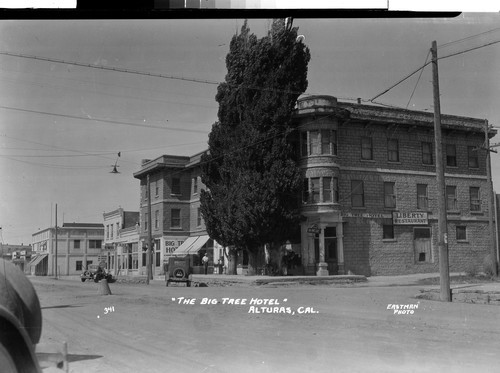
<point x="205" y="263"/>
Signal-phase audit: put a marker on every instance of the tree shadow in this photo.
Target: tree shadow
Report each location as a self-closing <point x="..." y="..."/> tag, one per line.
<point x="61" y="306"/>
<point x="74" y="357"/>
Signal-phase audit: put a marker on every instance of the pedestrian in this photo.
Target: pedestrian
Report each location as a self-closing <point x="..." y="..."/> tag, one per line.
<point x="220" y="265"/>
<point x="205" y="262"/>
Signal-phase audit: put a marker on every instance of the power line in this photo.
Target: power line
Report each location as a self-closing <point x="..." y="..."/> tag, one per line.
<point x="470" y="49"/>
<point x="399" y="82"/>
<point x="415" y="88"/>
<point x="102" y="120"/>
<point x="468" y="38"/>
<point x="143" y="73"/>
<point x="117" y="69"/>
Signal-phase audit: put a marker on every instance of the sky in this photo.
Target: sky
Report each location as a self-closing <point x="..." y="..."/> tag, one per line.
<point x="65" y="114"/>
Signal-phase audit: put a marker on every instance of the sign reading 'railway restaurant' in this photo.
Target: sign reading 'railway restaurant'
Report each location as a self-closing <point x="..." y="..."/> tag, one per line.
<point x="409" y="218"/>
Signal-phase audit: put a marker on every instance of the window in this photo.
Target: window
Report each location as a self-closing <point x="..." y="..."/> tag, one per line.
<point x="475" y="199"/>
<point x="76" y="244"/>
<point x="176" y="185"/>
<point x="461" y="233"/>
<point x="78" y="265"/>
<point x="146" y="192"/>
<point x="389" y="196"/>
<point x="315" y="196"/>
<point x="473" y="157"/>
<point x="107" y="231"/>
<point x="158" y="257"/>
<point x="157" y="219"/>
<point x="175" y="218"/>
<point x="146" y="220"/>
<point x="195" y="185"/>
<point x="305" y="190"/>
<point x="328" y="142"/>
<point x="117" y="229"/>
<point x="392" y="150"/>
<point x="422" y="199"/>
<point x="303" y="144"/>
<point x="451" y="155"/>
<point x="387" y="230"/>
<point x="111" y="231"/>
<point x="357" y="193"/>
<point x="198" y="220"/>
<point x="427" y="157"/>
<point x="451" y="198"/>
<point x="157" y="189"/>
<point x="366" y="148"/>
<point x="95" y="244"/>
<point x="314" y="145"/>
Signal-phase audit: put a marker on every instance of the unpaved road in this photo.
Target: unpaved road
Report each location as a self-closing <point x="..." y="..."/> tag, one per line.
<point x="143" y="328"/>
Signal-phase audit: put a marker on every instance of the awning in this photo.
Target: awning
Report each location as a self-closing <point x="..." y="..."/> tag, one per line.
<point x="37" y="260"/>
<point x="192" y="245"/>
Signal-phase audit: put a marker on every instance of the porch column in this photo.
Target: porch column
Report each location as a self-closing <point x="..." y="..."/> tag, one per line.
<point x="340" y="248"/>
<point x="322" y="265"/>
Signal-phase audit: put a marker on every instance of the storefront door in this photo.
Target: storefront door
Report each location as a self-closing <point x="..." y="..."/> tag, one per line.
<point x="422" y="244"/>
<point x="330" y="245"/>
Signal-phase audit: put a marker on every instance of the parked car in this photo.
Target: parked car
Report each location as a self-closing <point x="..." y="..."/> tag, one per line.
<point x="97" y="273"/>
<point x="179" y="270"/>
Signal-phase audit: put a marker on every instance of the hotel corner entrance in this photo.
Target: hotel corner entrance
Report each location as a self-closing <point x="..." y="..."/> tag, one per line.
<point x="330" y="245"/>
<point x="323" y="248"/>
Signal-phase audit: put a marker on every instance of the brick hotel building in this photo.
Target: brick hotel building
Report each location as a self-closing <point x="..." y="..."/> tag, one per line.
<point x="369" y="201"/>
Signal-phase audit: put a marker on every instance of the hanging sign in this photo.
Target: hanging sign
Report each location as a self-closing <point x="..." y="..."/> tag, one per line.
<point x="313" y="228"/>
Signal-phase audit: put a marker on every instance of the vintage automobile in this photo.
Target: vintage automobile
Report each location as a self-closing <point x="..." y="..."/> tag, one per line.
<point x="97" y="273"/>
<point x="179" y="270"/>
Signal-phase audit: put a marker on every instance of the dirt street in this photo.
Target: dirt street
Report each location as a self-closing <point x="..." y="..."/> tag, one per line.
<point x="280" y="328"/>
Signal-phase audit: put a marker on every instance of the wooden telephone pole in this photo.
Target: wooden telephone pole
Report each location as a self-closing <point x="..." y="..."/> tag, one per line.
<point x="444" y="268"/>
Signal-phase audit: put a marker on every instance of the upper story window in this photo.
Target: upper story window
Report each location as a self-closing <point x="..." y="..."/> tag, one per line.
<point x="198" y="218"/>
<point x="195" y="185"/>
<point x="95" y="244"/>
<point x="76" y="244"/>
<point x="475" y="199"/>
<point x="157" y="219"/>
<point x="175" y="218"/>
<point x="330" y="189"/>
<point x="320" y="189"/>
<point x="389" y="195"/>
<point x="314" y="144"/>
<point x="357" y="193"/>
<point x="157" y="188"/>
<point x="473" y="157"/>
<point x="317" y="142"/>
<point x="451" y="155"/>
<point x="366" y="148"/>
<point x="392" y="150"/>
<point x="422" y="198"/>
<point x="146" y="220"/>
<point x="427" y="157"/>
<point x="176" y="185"/>
<point x="451" y="198"/>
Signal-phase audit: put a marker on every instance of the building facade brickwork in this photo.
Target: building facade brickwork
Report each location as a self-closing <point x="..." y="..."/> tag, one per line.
<point x="369" y="195"/>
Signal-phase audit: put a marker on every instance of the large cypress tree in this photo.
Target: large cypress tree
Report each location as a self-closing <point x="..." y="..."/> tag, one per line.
<point x="250" y="168"/>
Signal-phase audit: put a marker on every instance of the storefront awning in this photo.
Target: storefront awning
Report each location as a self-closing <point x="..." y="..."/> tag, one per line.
<point x="37" y="259"/>
<point x="192" y="245"/>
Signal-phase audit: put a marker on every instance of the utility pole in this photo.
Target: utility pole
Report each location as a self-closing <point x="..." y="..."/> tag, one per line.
<point x="149" y="268"/>
<point x="56" y="246"/>
<point x="444" y="268"/>
<point x="491" y="196"/>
